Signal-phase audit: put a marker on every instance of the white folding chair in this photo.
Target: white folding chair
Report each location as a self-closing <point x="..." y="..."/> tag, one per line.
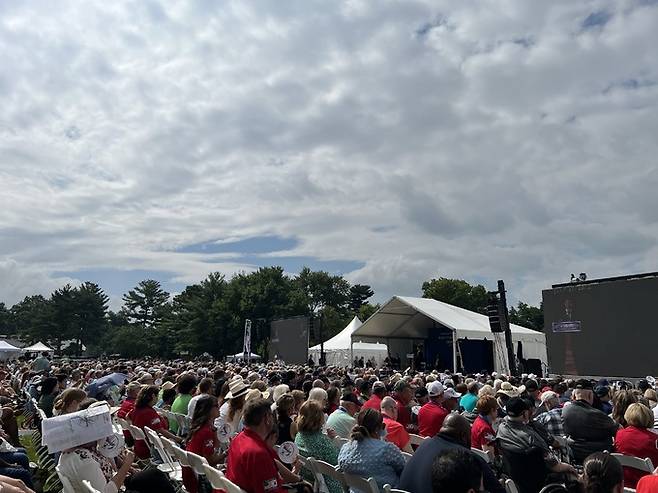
<point x="627" y="490"/>
<point x="183" y="423"/>
<point x="88" y="487"/>
<point x="181" y="456"/>
<point x="214" y="476"/>
<point x="510" y="486"/>
<point x="388" y="489"/>
<point x="362" y="484"/>
<point x="67" y="487"/>
<point x="406" y="456"/>
<point x="482" y="454"/>
<point x="643" y="465"/>
<point x="123" y="424"/>
<point x="415" y="440"/>
<point x="339" y="441"/>
<point x="196" y="463"/>
<point x="169" y="465"/>
<point x="322" y="469"/>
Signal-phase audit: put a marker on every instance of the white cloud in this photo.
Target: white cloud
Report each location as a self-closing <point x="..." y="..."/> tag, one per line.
<point x="421" y="138"/>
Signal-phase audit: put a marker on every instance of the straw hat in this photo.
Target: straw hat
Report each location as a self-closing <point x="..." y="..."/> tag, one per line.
<point x="507" y="389"/>
<point x="237" y="387"/>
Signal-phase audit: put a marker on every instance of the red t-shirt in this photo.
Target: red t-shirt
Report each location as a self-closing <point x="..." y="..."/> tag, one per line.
<point x="395" y="433"/>
<point x="648" y="484"/>
<point x="202" y="443"/>
<point x="374" y="402"/>
<point x="141" y="417"/>
<point x="640" y="443"/>
<point x="482" y="433"/>
<point x="125" y="407"/>
<point x="404" y="414"/>
<point x="251" y="466"/>
<point x="430" y="419"/>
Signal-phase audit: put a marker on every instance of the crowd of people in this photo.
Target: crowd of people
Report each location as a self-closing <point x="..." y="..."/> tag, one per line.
<point x="416" y="431"/>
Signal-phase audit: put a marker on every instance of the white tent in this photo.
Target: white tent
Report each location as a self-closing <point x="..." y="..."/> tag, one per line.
<point x="406" y="319"/>
<point x="8" y="351"/>
<point x="39" y="347"/>
<point x="341" y="349"/>
<point x="240" y="356"/>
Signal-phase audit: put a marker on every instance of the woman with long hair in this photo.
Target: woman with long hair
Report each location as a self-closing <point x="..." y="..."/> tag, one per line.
<point x="145" y="415"/>
<point x="202" y="438"/>
<point x="48" y="393"/>
<point x="284" y="408"/>
<point x="69" y="401"/>
<point x="231" y="410"/>
<point x="368" y="455"/>
<point x="620" y="402"/>
<point x="602" y="473"/>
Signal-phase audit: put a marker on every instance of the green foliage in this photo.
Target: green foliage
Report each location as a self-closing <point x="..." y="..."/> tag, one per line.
<point x="367" y="310"/>
<point x="358" y="296"/>
<point x="457" y="292"/>
<point x="7" y="325"/>
<point x="146" y="303"/>
<point x="528" y="316"/>
<point x="32" y="318"/>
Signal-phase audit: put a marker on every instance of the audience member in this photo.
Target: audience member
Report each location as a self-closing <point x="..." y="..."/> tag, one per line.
<point x="602" y="473"/>
<point x="637" y="440"/>
<point x="456" y="471"/>
<point x="395" y="432"/>
<point x="342" y="419"/>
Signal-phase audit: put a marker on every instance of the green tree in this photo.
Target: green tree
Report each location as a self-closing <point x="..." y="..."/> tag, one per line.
<point x="7" y="326"/>
<point x="65" y="319"/>
<point x="528" y="316"/>
<point x="367" y="310"/>
<point x="32" y="318"/>
<point x="92" y="315"/>
<point x="457" y="292"/>
<point x="358" y="296"/>
<point x="146" y="304"/>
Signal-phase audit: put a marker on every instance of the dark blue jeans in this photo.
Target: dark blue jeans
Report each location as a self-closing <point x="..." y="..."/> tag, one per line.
<point x="21" y="471"/>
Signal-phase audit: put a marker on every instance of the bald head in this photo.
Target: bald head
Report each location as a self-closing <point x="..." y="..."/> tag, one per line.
<point x="458" y="428"/>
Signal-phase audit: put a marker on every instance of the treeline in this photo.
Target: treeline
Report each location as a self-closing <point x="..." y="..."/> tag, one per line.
<point x="209" y="317"/>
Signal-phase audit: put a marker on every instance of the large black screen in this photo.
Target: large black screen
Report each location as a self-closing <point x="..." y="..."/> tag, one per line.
<point x="289" y="340"/>
<point x="606" y="328"/>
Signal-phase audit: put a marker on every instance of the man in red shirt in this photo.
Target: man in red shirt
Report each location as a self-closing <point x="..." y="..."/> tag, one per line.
<point x="250" y="462"/>
<point x="432" y="414"/>
<point x="403" y="394"/>
<point x="378" y="393"/>
<point x="395" y="432"/>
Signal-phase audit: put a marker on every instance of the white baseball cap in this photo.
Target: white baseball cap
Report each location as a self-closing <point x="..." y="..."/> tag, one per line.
<point x="435" y="389"/>
<point x="450" y="393"/>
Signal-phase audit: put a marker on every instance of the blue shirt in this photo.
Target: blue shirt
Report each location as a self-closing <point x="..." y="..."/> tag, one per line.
<point x="468" y="402"/>
<point x="372" y="458"/>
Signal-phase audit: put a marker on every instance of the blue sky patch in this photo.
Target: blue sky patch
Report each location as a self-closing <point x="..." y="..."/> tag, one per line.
<point x="255" y="244"/>
<point x="596" y="19"/>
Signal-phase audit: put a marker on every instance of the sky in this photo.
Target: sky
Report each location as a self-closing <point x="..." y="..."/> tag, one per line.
<point x="387" y="141"/>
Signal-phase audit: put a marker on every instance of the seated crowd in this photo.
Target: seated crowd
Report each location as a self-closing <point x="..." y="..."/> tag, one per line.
<point x="417" y="431"/>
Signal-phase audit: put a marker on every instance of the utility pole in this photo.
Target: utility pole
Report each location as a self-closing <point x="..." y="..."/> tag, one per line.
<point x="504" y="321"/>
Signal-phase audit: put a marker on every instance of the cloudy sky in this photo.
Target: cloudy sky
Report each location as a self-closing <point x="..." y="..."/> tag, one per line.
<point x="390" y="141"/>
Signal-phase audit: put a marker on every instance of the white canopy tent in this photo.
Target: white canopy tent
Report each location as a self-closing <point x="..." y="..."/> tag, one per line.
<point x="240" y="356"/>
<point x="8" y="351"/>
<point x="341" y="349"/>
<point x="39" y="347"/>
<point x="406" y="318"/>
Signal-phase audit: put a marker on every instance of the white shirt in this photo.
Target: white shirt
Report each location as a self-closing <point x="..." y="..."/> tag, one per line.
<point x="80" y="465"/>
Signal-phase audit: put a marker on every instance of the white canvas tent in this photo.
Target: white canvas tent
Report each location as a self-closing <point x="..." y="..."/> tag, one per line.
<point x="39" y="347"/>
<point x="341" y="349"/>
<point x="8" y="351"/>
<point x="240" y="356"/>
<point x="405" y="319"/>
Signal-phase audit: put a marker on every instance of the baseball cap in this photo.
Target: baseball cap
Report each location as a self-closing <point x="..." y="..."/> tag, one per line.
<point x="548" y="395"/>
<point x="583" y="383"/>
<point x="516" y="406"/>
<point x="421" y="392"/>
<point x="435" y="389"/>
<point x="378" y="386"/>
<point x="450" y="393"/>
<point x="601" y="390"/>
<point x="400" y="385"/>
<point x="350" y="397"/>
<point x="531" y="385"/>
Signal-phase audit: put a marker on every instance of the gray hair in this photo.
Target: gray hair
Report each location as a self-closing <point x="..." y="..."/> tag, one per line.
<point x="388" y="403"/>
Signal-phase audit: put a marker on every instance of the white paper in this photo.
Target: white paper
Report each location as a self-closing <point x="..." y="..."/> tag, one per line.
<point x="71" y="430"/>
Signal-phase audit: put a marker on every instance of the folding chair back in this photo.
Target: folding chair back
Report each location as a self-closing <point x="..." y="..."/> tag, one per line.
<point x="197" y="462"/>
<point x="322" y="470"/>
<point x="416" y="440"/>
<point x="482" y="454"/>
<point x="89" y="488"/>
<point x="388" y="489"/>
<point x="644" y="465"/>
<point x="510" y="486"/>
<point x="214" y="477"/>
<point x="181" y="456"/>
<point x="67" y="487"/>
<point x="362" y="484"/>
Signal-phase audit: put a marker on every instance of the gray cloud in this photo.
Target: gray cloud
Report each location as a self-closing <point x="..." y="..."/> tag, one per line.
<point x="420" y="138"/>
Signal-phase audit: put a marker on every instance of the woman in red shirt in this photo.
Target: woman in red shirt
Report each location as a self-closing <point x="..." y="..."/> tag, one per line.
<point x="637" y="440"/>
<point x="202" y="438"/>
<point x="144" y="415"/>
<point x="482" y="434"/>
